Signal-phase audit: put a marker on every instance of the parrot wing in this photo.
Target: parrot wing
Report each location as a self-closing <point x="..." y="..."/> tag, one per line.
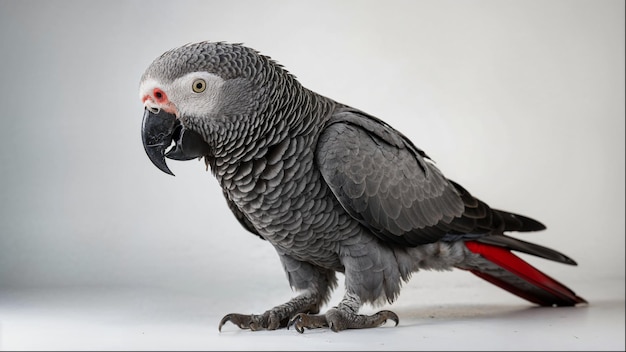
<point x="385" y="182"/>
<point x="389" y="185"/>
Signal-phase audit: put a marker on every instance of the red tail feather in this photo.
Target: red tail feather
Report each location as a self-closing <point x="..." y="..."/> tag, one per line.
<point x="513" y="274"/>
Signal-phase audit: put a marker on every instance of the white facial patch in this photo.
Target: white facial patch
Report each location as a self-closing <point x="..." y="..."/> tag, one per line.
<point x="192" y="103"/>
<point x="181" y="94"/>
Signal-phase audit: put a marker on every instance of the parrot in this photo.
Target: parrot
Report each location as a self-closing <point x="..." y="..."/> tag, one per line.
<point x="333" y="189"/>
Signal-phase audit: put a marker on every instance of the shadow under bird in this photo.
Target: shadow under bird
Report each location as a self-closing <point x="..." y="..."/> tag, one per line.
<point x="330" y="187"/>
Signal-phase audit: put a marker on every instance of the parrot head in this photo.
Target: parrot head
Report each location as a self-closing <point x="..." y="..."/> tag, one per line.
<point x="201" y="98"/>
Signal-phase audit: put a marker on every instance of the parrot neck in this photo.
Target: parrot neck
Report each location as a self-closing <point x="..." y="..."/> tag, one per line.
<point x="284" y="113"/>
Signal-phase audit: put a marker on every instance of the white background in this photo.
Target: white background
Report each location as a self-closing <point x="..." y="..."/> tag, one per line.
<point x="522" y="102"/>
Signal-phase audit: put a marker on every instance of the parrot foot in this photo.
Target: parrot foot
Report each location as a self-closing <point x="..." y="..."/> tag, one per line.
<point x="266" y="321"/>
<point x="339" y="320"/>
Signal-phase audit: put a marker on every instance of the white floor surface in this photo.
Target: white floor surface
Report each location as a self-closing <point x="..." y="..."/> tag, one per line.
<point x="434" y="315"/>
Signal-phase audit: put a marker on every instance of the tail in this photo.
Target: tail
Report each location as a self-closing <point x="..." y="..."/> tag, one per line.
<point x="508" y="271"/>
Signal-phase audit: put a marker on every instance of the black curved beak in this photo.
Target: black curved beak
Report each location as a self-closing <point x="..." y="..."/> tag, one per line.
<point x="157" y="133"/>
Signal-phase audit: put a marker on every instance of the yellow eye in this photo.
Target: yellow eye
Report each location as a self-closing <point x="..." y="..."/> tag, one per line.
<point x="199" y="86"/>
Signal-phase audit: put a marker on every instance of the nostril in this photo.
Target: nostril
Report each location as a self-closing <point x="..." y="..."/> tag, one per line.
<point x="159" y="95"/>
<point x="154" y="110"/>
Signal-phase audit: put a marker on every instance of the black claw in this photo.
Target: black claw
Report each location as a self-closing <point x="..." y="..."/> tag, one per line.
<point x="242" y="321"/>
<point x="292" y="321"/>
<point x="296" y="320"/>
<point x="225" y="319"/>
<point x="389" y="315"/>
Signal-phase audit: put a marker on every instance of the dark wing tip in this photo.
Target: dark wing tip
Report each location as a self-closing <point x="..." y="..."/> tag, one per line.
<point x="527" y="247"/>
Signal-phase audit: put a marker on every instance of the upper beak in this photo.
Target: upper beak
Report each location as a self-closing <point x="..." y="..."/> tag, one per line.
<point x="157" y="133"/>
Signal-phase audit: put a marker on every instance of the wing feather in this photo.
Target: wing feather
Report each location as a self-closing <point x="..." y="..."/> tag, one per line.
<point x="383" y="181"/>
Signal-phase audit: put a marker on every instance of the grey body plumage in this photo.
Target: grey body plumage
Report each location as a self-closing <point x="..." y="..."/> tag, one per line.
<point x="332" y="188"/>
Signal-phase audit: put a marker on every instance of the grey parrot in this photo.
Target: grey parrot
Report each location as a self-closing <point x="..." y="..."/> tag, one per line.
<point x="330" y="187"/>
